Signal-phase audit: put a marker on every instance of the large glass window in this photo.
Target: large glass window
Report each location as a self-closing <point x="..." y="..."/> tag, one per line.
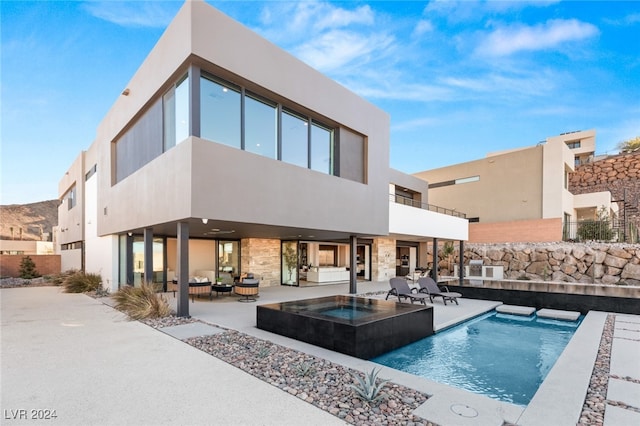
<point x="228" y="260"/>
<point x="70" y="197"/>
<point x="290" y="261"/>
<point x="321" y="149"/>
<point x="295" y="139"/>
<point x="261" y="120"/>
<point x="176" y="114"/>
<point x="220" y="112"/>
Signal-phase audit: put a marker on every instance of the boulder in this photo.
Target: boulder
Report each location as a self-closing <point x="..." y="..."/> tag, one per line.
<point x="558" y="254"/>
<point x="631" y="271"/>
<point x="495" y="254"/>
<point x="568" y="268"/>
<point x="600" y="256"/>
<point x="616" y="262"/>
<point x="538" y="268"/>
<point x="619" y="252"/>
<point x="539" y="257"/>
<point x="578" y="252"/>
<point x="609" y="279"/>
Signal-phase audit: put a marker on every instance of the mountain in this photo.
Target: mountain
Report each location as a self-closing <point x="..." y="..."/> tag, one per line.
<point x="28" y="222"/>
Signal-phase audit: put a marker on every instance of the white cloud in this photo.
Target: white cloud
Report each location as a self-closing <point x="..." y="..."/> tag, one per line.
<point x="285" y="20"/>
<point x="422" y="27"/>
<point x="466" y="11"/>
<point x="338" y="48"/>
<point x="155" y="14"/>
<point x="508" y="40"/>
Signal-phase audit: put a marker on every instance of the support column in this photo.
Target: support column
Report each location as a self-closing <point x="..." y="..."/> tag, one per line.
<point x="183" y="270"/>
<point x="353" y="261"/>
<point x="129" y="260"/>
<point x="434" y="271"/>
<point x="461" y="263"/>
<point x="148" y="255"/>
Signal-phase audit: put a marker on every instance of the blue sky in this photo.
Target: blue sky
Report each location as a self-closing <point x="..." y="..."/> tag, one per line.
<point x="458" y="78"/>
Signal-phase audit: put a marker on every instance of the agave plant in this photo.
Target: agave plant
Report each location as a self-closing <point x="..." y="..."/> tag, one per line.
<point x="367" y="389"/>
<point x="305" y="369"/>
<point x="264" y="352"/>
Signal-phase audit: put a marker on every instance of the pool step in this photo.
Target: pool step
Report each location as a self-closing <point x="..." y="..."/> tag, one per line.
<point x="515" y="310"/>
<point x="558" y="314"/>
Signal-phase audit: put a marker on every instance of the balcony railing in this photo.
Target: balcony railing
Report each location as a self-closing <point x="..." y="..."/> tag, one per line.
<point x="399" y="199"/>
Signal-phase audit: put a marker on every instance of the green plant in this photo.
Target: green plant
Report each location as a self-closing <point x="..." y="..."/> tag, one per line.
<point x="367" y="389"/>
<point x="263" y="352"/>
<point x="81" y="282"/>
<point x="59" y="279"/>
<point x="305" y="369"/>
<point x="447" y="252"/>
<point x="141" y="302"/>
<point x="290" y="256"/>
<point x="596" y="230"/>
<point x="28" y="268"/>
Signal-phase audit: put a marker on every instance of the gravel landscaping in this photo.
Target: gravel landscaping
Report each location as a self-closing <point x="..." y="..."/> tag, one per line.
<point x="314" y="380"/>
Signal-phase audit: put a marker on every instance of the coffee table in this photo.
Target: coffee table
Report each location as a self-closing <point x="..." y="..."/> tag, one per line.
<point x="222" y="288"/>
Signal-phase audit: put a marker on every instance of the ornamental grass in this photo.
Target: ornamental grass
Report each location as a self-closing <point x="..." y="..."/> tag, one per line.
<point x="141" y="302"/>
<point x="80" y="282"/>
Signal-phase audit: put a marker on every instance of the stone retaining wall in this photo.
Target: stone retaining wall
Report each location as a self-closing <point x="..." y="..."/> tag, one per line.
<point x="561" y="262"/>
<point x="619" y="174"/>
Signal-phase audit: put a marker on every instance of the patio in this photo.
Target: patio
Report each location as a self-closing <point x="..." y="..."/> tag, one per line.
<point x="559" y="401"/>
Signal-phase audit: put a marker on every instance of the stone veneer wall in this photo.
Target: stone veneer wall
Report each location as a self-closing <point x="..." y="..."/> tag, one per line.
<point x="564" y="262"/>
<point x="383" y="259"/>
<point x="619" y="174"/>
<point x="262" y="258"/>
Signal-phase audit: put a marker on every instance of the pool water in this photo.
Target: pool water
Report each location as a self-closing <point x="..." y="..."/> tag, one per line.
<point x="347" y="312"/>
<point x="502" y="356"/>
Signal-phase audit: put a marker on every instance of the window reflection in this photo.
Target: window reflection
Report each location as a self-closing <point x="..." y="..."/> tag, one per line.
<point x="295" y="139"/>
<point x="176" y="114"/>
<point x="260" y="127"/>
<point x="220" y="112"/>
<point x="321" y="149"/>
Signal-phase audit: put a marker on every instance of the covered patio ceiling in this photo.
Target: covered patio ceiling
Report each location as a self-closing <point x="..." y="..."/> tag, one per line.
<point x="215" y="229"/>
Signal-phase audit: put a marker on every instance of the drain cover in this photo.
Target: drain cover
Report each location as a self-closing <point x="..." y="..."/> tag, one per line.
<point x="464" y="410"/>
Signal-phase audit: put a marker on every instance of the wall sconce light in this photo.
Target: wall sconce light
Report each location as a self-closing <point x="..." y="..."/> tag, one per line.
<point x="205" y="221"/>
<point x="126" y="92"/>
<point x="129" y="233"/>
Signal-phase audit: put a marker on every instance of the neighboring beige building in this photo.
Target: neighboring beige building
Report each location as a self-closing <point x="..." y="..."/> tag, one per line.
<point x="521" y="194"/>
<point x="16" y="247"/>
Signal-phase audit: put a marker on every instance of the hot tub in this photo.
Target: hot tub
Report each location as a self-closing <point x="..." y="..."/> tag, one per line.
<point x="355" y="326"/>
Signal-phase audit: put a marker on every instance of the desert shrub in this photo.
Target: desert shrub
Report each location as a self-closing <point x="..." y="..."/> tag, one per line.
<point x="28" y="268"/>
<point x="369" y="389"/>
<point x="141" y="302"/>
<point x="59" y="279"/>
<point x="81" y="282"/>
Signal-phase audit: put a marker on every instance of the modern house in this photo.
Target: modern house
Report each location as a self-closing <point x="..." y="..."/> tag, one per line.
<point x="521" y="195"/>
<point x="225" y="154"/>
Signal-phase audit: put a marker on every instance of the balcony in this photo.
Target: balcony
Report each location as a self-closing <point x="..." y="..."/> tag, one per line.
<point x="399" y="199"/>
<point x="411" y="220"/>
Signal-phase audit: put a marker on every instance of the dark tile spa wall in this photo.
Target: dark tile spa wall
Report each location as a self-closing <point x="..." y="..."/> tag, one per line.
<point x="570" y="302"/>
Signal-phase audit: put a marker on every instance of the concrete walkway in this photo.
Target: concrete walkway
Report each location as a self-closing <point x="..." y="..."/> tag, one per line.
<point x="75" y="355"/>
<point x="624" y="381"/>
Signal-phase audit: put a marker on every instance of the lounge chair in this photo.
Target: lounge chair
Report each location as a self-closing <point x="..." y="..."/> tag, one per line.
<point x="248" y="288"/>
<point x="428" y="286"/>
<point x="401" y="289"/>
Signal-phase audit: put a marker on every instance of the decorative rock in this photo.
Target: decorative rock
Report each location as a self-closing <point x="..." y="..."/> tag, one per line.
<point x="619" y="252"/>
<point x="616" y="262"/>
<point x="631" y="271"/>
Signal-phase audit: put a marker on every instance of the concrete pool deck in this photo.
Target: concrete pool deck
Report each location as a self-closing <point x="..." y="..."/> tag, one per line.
<point x="38" y="367"/>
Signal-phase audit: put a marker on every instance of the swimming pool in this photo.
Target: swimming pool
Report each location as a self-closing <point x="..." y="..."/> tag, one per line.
<point x="503" y="356"/>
